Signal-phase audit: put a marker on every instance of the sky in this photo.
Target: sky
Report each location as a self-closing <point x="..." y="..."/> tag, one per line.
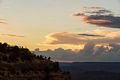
<point x="50" y="24"/>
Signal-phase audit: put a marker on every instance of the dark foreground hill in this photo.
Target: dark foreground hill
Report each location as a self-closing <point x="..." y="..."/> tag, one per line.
<point x="18" y="63"/>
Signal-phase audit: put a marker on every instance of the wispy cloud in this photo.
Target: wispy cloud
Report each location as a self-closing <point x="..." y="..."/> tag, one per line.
<point x="93" y="35"/>
<point x="12" y="35"/>
<point x="63" y="38"/>
<point x="74" y="38"/>
<point x="99" y="16"/>
<point x="3" y="21"/>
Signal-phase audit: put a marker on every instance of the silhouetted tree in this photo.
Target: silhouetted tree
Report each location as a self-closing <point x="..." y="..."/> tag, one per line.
<point x="49" y="58"/>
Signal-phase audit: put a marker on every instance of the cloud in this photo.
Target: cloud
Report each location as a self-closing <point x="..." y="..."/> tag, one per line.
<point x="3" y="21"/>
<point x="102" y="32"/>
<point x="98" y="46"/>
<point x="58" y="54"/>
<point x="91" y="35"/>
<point x="77" y="38"/>
<point x="91" y="53"/>
<point x="11" y="35"/>
<point x="99" y="16"/>
<point x="63" y="38"/>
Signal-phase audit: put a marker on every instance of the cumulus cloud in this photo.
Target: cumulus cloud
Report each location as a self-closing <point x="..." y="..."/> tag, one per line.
<point x="91" y="53"/>
<point x="99" y="16"/>
<point x="105" y="52"/>
<point x="57" y="54"/>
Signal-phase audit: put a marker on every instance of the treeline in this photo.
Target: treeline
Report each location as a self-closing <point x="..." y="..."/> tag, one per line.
<point x="17" y="54"/>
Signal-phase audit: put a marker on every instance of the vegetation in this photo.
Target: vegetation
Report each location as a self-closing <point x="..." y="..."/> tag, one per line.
<point x="18" y="63"/>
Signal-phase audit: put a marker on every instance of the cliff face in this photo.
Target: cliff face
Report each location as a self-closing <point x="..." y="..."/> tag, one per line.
<point x="18" y="63"/>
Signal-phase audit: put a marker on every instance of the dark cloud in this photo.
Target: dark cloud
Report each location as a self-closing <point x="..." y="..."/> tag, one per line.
<point x="96" y="10"/>
<point x="92" y="35"/>
<point x="99" y="16"/>
<point x="106" y="21"/>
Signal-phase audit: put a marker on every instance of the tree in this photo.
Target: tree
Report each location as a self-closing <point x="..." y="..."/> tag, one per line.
<point x="49" y="58"/>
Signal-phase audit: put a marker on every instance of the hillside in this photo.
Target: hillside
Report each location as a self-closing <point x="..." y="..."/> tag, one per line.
<point x="18" y="63"/>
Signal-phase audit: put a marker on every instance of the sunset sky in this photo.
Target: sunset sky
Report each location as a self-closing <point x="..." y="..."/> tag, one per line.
<point x="50" y="24"/>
